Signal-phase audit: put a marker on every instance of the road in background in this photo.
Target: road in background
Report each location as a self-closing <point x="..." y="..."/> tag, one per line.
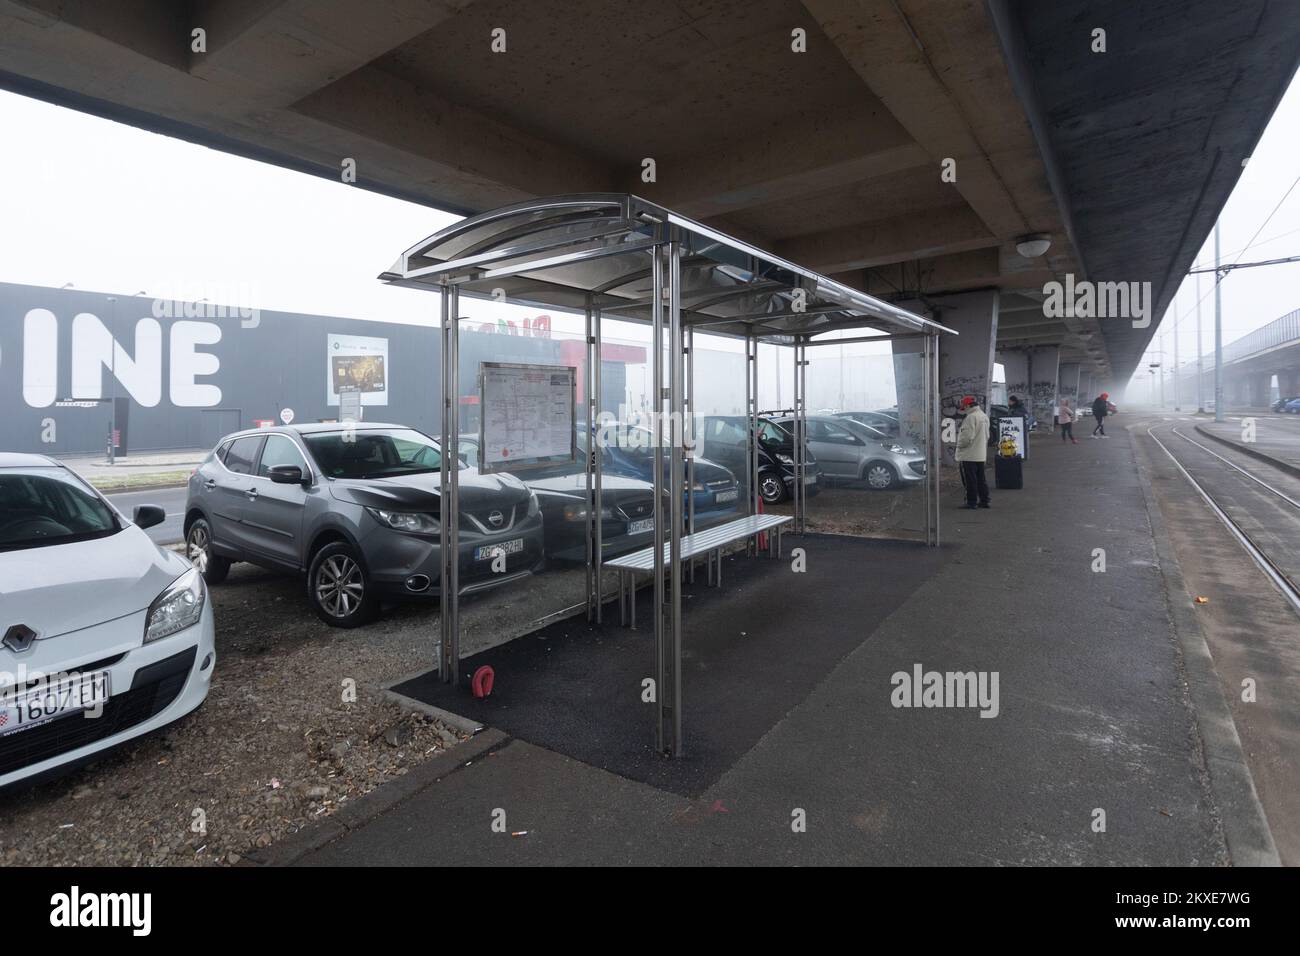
<point x="171" y="500"/>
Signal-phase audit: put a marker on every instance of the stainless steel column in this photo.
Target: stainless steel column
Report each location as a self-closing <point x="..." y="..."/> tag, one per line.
<point x="449" y="492"/>
<point x="925" y="406"/>
<point x="676" y="489"/>
<point x="593" y="515"/>
<point x="934" y="456"/>
<point x="800" y="443"/>
<point x="596" y="461"/>
<point x="751" y="409"/>
<point x="688" y="433"/>
<point x="663" y="739"/>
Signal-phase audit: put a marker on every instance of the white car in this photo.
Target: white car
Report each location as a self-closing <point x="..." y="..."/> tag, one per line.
<point x="104" y="636"/>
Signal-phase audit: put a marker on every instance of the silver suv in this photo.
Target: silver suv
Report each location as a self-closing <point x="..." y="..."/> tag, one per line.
<point x="357" y="510"/>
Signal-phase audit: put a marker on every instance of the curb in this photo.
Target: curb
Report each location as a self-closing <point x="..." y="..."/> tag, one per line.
<point x="1253" y="453"/>
<point x="412" y="706"/>
<point x="365" y="808"/>
<point x="128" y="489"/>
<point x="1245" y="826"/>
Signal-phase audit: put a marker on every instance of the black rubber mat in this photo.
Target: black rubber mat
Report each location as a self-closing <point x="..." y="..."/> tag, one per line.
<point x="752" y="651"/>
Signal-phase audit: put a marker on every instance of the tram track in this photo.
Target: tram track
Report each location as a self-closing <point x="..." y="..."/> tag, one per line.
<point x="1274" y="558"/>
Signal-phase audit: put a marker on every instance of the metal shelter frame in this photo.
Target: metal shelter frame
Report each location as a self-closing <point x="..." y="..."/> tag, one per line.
<point x="617" y="255"/>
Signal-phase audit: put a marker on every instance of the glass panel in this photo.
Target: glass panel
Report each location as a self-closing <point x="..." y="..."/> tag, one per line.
<point x="242" y="454"/>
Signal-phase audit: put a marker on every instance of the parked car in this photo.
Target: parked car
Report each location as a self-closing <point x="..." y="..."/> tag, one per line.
<point x="849" y="450"/>
<point x="722" y="440"/>
<point x="1281" y="403"/>
<point x="356" y="509"/>
<point x="629" y="450"/>
<point x="122" y="628"/>
<point x="882" y="419"/>
<point x="1292" y="407"/>
<point x="627" y="507"/>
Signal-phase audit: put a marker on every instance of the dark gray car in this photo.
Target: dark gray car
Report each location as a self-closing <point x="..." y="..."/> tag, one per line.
<point x="357" y="509"/>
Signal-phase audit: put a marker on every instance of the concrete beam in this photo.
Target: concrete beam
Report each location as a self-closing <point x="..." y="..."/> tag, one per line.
<point x="923" y="235"/>
<point x="279" y="51"/>
<point x="818" y="151"/>
<point x="889" y="44"/>
<point x="478" y="159"/>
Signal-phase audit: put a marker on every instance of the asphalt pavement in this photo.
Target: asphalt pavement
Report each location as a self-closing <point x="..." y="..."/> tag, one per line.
<point x="171" y="500"/>
<point x="1095" y="754"/>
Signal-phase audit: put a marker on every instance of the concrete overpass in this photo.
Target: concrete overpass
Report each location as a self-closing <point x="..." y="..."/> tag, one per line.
<point x="1249" y="364"/>
<point x="841" y="157"/>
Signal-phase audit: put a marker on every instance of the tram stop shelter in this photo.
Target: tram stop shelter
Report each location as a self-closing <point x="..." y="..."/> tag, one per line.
<point x="617" y="256"/>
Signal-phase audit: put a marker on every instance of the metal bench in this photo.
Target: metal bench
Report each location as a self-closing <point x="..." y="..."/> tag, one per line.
<point x="708" y="542"/>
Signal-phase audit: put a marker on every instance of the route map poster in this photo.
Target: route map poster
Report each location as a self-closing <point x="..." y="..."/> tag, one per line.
<point x="527" y="415"/>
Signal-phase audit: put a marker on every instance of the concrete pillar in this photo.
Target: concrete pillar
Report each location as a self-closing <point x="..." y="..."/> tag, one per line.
<point x="1015" y="365"/>
<point x="1067" y="386"/>
<point x="1086" y="390"/>
<point x="1044" y="364"/>
<point x="965" y="359"/>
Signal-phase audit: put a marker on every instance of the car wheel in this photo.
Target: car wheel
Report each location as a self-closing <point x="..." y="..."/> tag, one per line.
<point x="198" y="548"/>
<point x="339" y="588"/>
<point x="880" y="475"/>
<point x="771" y="488"/>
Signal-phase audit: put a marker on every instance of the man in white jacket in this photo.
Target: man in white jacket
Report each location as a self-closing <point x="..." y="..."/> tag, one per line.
<point x="972" y="447"/>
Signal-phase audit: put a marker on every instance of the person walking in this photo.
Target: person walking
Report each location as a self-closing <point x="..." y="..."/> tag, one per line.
<point x="972" y="446"/>
<point x="1066" y="416"/>
<point x="1100" y="409"/>
<point x="1018" y="409"/>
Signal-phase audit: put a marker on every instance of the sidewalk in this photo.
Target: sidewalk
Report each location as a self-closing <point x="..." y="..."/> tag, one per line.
<point x="149" y="470"/>
<point x="1094" y="715"/>
<point x="1276" y="438"/>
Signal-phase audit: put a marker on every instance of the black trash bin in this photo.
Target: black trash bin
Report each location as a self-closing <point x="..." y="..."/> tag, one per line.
<point x="1007" y="472"/>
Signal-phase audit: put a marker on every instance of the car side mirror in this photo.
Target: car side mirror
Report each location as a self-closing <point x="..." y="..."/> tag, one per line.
<point x="146" y="516"/>
<point x="285" y="474"/>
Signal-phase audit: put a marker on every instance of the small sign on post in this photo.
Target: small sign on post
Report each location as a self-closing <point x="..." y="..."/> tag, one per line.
<point x="349" y="403"/>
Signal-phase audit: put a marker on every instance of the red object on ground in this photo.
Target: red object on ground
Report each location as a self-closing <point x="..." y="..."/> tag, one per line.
<point x="481" y="684"/>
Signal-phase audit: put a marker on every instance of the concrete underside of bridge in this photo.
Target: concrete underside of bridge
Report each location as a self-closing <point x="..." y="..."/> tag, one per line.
<point x="833" y="157"/>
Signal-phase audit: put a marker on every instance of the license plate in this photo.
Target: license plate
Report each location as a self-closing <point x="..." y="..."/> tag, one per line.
<point x="492" y="550"/>
<point x="641" y="527"/>
<point x="810" y="479"/>
<point x="723" y="496"/>
<point x="30" y="708"/>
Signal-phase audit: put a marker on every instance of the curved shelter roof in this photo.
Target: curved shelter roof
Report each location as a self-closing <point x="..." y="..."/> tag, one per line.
<point x="565" y="252"/>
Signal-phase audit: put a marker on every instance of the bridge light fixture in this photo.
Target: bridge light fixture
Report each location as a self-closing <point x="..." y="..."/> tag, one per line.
<point x="1031" y="247"/>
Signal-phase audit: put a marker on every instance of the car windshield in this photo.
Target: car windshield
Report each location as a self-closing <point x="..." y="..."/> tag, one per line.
<point x="374" y="453"/>
<point x="632" y="440"/>
<point x="46" y="506"/>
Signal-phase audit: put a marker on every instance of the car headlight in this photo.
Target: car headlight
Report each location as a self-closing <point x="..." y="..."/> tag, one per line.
<point x="178" y="607"/>
<point x="533" y="505"/>
<point x="784" y="459"/>
<point x="413" y="522"/>
<point x="578" y="512"/>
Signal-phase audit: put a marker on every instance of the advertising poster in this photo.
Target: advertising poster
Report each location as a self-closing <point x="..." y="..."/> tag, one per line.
<point x="357" y="362"/>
